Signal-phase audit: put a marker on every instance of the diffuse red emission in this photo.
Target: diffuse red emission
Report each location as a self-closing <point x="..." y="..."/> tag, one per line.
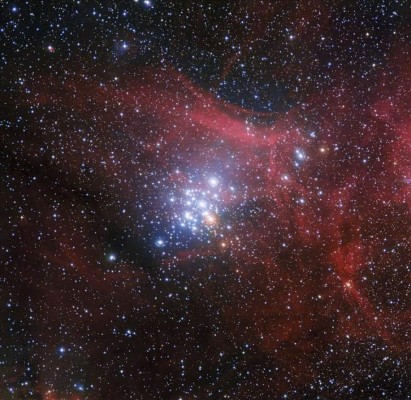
<point x="302" y="241"/>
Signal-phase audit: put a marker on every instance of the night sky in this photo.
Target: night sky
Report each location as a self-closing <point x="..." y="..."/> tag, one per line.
<point x="205" y="200"/>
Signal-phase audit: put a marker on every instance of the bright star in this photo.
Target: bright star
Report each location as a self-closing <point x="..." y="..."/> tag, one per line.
<point x="213" y="182"/>
<point x="160" y="243"/>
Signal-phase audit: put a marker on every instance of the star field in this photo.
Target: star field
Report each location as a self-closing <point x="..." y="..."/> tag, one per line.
<point x="205" y="200"/>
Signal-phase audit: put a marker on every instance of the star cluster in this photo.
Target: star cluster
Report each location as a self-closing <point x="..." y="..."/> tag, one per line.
<point x="205" y="200"/>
